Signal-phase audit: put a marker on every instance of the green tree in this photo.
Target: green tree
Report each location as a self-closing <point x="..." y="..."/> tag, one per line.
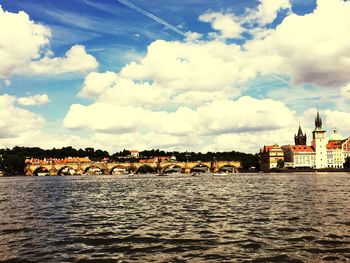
<point x="280" y="163"/>
<point x="347" y="162"/>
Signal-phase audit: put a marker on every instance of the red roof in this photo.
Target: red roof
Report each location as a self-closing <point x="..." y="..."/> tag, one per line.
<point x="333" y="145"/>
<point x="76" y="160"/>
<point x="302" y="148"/>
<point x="267" y="148"/>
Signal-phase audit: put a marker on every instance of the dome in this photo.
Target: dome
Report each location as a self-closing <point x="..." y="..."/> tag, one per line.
<point x="335" y="136"/>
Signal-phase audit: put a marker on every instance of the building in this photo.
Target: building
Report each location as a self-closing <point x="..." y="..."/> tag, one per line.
<point x="335" y="158"/>
<point x="322" y="153"/>
<point x="270" y="156"/>
<point x="134" y="153"/>
<point x="319" y="143"/>
<point x="299" y="156"/>
<point x="300" y="138"/>
<point x="346" y="148"/>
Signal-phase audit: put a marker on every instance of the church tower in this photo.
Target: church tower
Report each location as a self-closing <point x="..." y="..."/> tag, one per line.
<point x="300" y="138"/>
<point x="319" y="143"/>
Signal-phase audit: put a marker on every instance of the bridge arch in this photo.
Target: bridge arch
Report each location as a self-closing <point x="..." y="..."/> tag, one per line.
<point x="227" y="168"/>
<point x="93" y="170"/>
<point x="145" y="169"/>
<point x="201" y="168"/>
<point x="118" y="168"/>
<point x="172" y="168"/>
<point x="66" y="170"/>
<point x="41" y="170"/>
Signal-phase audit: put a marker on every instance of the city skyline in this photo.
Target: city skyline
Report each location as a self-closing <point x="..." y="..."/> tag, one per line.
<point x="186" y="75"/>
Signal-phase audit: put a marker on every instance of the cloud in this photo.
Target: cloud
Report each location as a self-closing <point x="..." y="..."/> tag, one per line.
<point x="15" y="121"/>
<point x="21" y="41"/>
<point x="38" y="99"/>
<point x="312" y="48"/>
<point x="96" y="83"/>
<point x="227" y="24"/>
<point x="24" y="48"/>
<point x="339" y="119"/>
<point x="345" y="92"/>
<point x="267" y="10"/>
<point x="76" y="60"/>
<point x="187" y="66"/>
<point x="247" y="141"/>
<point x="110" y="88"/>
<point x="104" y="117"/>
<point x="224" y="125"/>
<point x="243" y="115"/>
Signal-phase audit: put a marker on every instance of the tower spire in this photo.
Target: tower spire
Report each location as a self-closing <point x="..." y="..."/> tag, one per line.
<point x="300" y="138"/>
<point x="318" y="121"/>
<point x="300" y="132"/>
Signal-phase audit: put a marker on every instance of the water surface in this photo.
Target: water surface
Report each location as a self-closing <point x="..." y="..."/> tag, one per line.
<point x="239" y="218"/>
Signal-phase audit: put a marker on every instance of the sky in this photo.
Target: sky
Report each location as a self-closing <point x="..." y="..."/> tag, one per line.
<point x="175" y="75"/>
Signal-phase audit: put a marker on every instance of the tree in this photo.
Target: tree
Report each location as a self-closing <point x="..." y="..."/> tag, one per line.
<point x="280" y="164"/>
<point x="347" y="162"/>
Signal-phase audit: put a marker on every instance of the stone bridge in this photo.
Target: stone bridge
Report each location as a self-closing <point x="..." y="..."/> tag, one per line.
<point x="108" y="167"/>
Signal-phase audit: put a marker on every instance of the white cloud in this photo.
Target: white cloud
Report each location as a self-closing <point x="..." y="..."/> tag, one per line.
<point x="38" y="99"/>
<point x="108" y="87"/>
<point x="198" y="98"/>
<point x="244" y="115"/>
<point x="76" y="60"/>
<point x="45" y="140"/>
<point x="312" y="48"/>
<point x="192" y="36"/>
<point x="21" y="41"/>
<point x="338" y="119"/>
<point x="150" y="140"/>
<point x="24" y="48"/>
<point x="104" y="117"/>
<point x="227" y="24"/>
<point x="96" y="83"/>
<point x="252" y="141"/>
<point x="179" y="66"/>
<point x="345" y="92"/>
<point x="268" y="10"/>
<point x="15" y="121"/>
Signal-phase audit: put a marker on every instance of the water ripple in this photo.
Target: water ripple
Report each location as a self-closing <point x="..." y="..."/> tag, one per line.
<point x="240" y="218"/>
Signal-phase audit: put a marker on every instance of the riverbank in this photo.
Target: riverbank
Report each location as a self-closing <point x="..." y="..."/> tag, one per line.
<point x="327" y="170"/>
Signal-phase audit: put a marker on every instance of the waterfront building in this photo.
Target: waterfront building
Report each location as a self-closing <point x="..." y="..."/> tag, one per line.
<point x="346" y="148"/>
<point x="319" y="143"/>
<point x="322" y="153"/>
<point x="269" y="157"/>
<point x="299" y="156"/>
<point x="335" y="156"/>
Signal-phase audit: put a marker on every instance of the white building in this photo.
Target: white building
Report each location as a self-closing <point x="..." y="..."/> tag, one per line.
<point x="134" y="153"/>
<point x="299" y="156"/>
<point x="319" y="143"/>
<point x="346" y="148"/>
<point x="322" y="153"/>
<point x="335" y="156"/>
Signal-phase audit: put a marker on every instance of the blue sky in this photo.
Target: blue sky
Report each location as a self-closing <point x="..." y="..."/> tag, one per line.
<point x="201" y="69"/>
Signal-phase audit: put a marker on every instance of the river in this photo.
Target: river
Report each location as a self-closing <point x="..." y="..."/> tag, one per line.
<point x="237" y="218"/>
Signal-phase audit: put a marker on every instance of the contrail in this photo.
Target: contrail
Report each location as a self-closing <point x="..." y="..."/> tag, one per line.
<point x="151" y="16"/>
<point x="278" y="78"/>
